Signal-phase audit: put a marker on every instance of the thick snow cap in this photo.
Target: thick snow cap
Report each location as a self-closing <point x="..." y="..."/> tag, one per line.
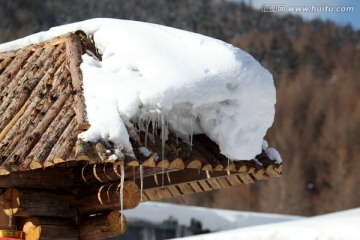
<point x="186" y="81"/>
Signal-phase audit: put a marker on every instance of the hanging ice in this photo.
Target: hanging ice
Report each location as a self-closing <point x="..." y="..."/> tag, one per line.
<point x="122" y="178"/>
<point x="141" y="182"/>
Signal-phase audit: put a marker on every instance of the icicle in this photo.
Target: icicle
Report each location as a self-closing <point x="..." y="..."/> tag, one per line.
<point x="162" y="147"/>
<point x="168" y="177"/>
<point x="228" y="162"/>
<point x="147" y="132"/>
<point x="141" y="182"/>
<point x="177" y="133"/>
<point x="122" y="178"/>
<point x="192" y="120"/>
<point x="162" y="136"/>
<point x="207" y="174"/>
<point x="155" y="126"/>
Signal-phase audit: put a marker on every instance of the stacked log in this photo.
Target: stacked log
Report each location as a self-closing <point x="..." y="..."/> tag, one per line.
<point x="49" y="229"/>
<point x="31" y="202"/>
<point x="103" y="226"/>
<point x="107" y="197"/>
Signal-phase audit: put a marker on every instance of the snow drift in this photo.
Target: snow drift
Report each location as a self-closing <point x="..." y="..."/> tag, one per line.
<point x="175" y="79"/>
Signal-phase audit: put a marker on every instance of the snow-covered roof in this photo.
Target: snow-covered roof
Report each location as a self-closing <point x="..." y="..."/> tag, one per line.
<point x="182" y="81"/>
<point x="53" y="90"/>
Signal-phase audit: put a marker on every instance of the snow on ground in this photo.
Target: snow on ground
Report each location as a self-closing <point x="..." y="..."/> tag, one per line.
<point x="212" y="219"/>
<point x="187" y="81"/>
<point x="336" y="226"/>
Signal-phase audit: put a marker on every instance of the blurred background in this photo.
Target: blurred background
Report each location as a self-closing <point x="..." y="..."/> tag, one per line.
<point x="315" y="60"/>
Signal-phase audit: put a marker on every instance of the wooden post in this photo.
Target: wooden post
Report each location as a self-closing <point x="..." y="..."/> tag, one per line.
<point x="49" y="228"/>
<point x="103" y="226"/>
<point x="107" y="198"/>
<point x="30" y="202"/>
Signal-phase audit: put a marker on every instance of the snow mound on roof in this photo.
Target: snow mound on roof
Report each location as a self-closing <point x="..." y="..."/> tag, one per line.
<point x="189" y="82"/>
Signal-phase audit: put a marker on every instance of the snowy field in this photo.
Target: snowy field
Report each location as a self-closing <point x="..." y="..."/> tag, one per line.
<point x="343" y="225"/>
<point x="237" y="225"/>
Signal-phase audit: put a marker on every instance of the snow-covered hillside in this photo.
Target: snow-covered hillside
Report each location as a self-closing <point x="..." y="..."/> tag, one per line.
<point x="177" y="80"/>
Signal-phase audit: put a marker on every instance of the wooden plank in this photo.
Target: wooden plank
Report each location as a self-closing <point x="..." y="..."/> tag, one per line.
<point x="185" y="188"/>
<point x="233" y="180"/>
<point x="260" y="174"/>
<point x="205" y="185"/>
<point x="213" y="183"/>
<point x="165" y="192"/>
<point x="196" y="187"/>
<point x="245" y="178"/>
<point x="271" y="171"/>
<point x="174" y="191"/>
<point x="154" y="194"/>
<point x="223" y="182"/>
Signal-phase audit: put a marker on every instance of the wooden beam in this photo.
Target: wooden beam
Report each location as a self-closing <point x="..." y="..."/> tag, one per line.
<point x="49" y="228"/>
<point x="31" y="202"/>
<point x="102" y="226"/>
<point x="107" y="198"/>
<point x="41" y="178"/>
<point x="182" y="176"/>
<point x="99" y="173"/>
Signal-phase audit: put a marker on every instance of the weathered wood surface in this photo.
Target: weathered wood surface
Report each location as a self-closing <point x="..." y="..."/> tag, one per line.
<point x="64" y="145"/>
<point x="74" y="52"/>
<point x="33" y="113"/>
<point x="20" y="91"/>
<point x="107" y="198"/>
<point x="51" y="178"/>
<point x="49" y="138"/>
<point x="103" y="226"/>
<point x="37" y="228"/>
<point x="101" y="173"/>
<point x="82" y="150"/>
<point x="4" y="219"/>
<point x="27" y="143"/>
<point x="30" y="202"/>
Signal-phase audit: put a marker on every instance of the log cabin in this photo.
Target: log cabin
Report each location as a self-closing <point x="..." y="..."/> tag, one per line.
<point x="56" y="186"/>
